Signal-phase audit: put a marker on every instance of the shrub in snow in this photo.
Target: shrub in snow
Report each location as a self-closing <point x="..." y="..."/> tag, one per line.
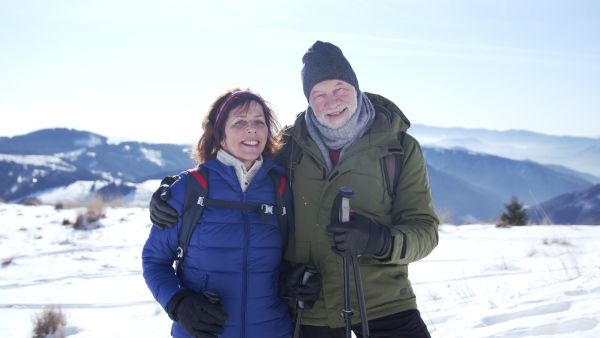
<point x="31" y="201"/>
<point x="515" y="214"/>
<point x="90" y="218"/>
<point x="49" y="323"/>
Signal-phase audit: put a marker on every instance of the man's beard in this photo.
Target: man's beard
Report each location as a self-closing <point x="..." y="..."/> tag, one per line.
<point x="335" y="124"/>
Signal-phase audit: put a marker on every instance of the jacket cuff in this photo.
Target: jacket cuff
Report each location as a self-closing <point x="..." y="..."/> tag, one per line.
<point x="386" y="251"/>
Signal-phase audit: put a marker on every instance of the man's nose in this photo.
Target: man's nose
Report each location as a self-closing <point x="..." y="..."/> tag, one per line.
<point x="332" y="101"/>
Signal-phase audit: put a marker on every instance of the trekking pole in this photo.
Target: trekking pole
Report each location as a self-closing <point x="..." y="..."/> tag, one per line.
<point x="342" y="201"/>
<point x="361" y="298"/>
<point x="308" y="272"/>
<point x="345" y="194"/>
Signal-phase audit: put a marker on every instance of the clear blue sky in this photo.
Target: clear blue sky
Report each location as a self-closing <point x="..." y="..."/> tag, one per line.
<point x="148" y="70"/>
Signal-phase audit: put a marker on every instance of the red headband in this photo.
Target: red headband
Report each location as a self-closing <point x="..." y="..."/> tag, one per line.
<point x="233" y="97"/>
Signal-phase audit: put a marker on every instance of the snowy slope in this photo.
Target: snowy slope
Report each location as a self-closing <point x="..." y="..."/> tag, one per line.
<point x="481" y="281"/>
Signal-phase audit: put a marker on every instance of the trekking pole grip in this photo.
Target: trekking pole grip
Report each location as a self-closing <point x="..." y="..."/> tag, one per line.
<point x="308" y="272"/>
<point x="345" y="194"/>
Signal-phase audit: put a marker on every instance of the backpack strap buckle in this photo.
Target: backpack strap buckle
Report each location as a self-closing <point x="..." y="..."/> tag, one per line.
<point x="267" y="209"/>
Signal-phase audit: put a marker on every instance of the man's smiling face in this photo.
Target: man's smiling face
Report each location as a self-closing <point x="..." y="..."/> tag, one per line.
<point x="334" y="102"/>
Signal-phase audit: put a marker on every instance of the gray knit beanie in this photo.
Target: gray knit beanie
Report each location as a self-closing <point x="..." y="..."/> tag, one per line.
<point x="325" y="61"/>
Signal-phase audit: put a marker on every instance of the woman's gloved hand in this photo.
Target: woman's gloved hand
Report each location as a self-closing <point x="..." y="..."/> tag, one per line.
<point x="201" y="316"/>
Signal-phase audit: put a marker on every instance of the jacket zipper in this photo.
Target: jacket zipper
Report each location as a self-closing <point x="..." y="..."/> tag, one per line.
<point x="245" y="289"/>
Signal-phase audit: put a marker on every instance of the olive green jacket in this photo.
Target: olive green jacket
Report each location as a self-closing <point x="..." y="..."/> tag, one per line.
<point x="410" y="216"/>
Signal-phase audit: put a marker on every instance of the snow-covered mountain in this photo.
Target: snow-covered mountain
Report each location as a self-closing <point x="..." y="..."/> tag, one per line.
<point x="482" y="183"/>
<point x="63" y="164"/>
<point x="580" y="207"/>
<point x="468" y="185"/>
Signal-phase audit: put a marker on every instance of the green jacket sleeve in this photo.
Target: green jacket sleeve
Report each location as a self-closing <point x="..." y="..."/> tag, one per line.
<point x="415" y="224"/>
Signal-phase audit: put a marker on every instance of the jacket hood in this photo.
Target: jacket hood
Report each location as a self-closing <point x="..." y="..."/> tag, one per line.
<point x="390" y="106"/>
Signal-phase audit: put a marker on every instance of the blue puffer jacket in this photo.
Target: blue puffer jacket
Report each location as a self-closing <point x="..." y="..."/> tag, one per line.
<point x="232" y="253"/>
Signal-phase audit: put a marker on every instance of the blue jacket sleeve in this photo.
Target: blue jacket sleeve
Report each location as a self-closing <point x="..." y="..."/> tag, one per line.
<point x="160" y="250"/>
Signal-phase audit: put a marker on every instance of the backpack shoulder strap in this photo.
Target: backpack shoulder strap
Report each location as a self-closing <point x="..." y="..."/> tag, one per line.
<point x="193" y="205"/>
<point x="196" y="198"/>
<point x="392" y="162"/>
<point x="393" y="167"/>
<point x="279" y="182"/>
<point x="292" y="154"/>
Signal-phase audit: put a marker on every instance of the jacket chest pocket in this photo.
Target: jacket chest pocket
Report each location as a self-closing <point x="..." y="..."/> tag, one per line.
<point x="370" y="191"/>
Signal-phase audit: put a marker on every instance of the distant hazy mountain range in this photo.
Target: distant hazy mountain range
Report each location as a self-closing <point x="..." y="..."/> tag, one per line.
<point x="473" y="173"/>
<point x="577" y="153"/>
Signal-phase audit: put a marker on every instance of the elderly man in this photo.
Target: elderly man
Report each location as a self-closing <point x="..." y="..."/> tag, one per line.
<point x="342" y="140"/>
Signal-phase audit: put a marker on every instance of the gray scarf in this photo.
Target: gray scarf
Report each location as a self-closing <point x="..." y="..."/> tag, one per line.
<point x="343" y="137"/>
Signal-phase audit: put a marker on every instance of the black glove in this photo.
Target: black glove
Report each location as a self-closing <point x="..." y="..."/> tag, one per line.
<point x="291" y="289"/>
<point x="360" y="236"/>
<point x="161" y="213"/>
<point x="200" y="316"/>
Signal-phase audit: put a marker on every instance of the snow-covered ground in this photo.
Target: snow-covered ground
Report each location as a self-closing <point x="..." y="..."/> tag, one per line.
<point x="481" y="281"/>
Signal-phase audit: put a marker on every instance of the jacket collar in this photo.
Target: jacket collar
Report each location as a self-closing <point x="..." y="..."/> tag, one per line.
<point x="389" y="122"/>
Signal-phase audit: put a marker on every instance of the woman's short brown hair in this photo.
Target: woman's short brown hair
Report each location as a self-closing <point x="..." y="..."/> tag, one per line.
<point x="210" y="141"/>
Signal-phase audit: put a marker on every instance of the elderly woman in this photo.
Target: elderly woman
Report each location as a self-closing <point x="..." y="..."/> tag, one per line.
<point x="229" y="283"/>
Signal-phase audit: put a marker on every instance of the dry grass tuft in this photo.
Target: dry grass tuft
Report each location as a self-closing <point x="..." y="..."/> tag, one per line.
<point x="556" y="240"/>
<point x="31" y="201"/>
<point x="89" y="219"/>
<point x="501" y="224"/>
<point x="49" y="323"/>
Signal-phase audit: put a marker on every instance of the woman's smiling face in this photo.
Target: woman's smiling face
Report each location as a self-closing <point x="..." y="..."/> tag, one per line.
<point x="245" y="133"/>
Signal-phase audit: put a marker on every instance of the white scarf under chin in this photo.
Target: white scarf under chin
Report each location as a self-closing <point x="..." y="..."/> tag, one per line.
<point x="244" y="177"/>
